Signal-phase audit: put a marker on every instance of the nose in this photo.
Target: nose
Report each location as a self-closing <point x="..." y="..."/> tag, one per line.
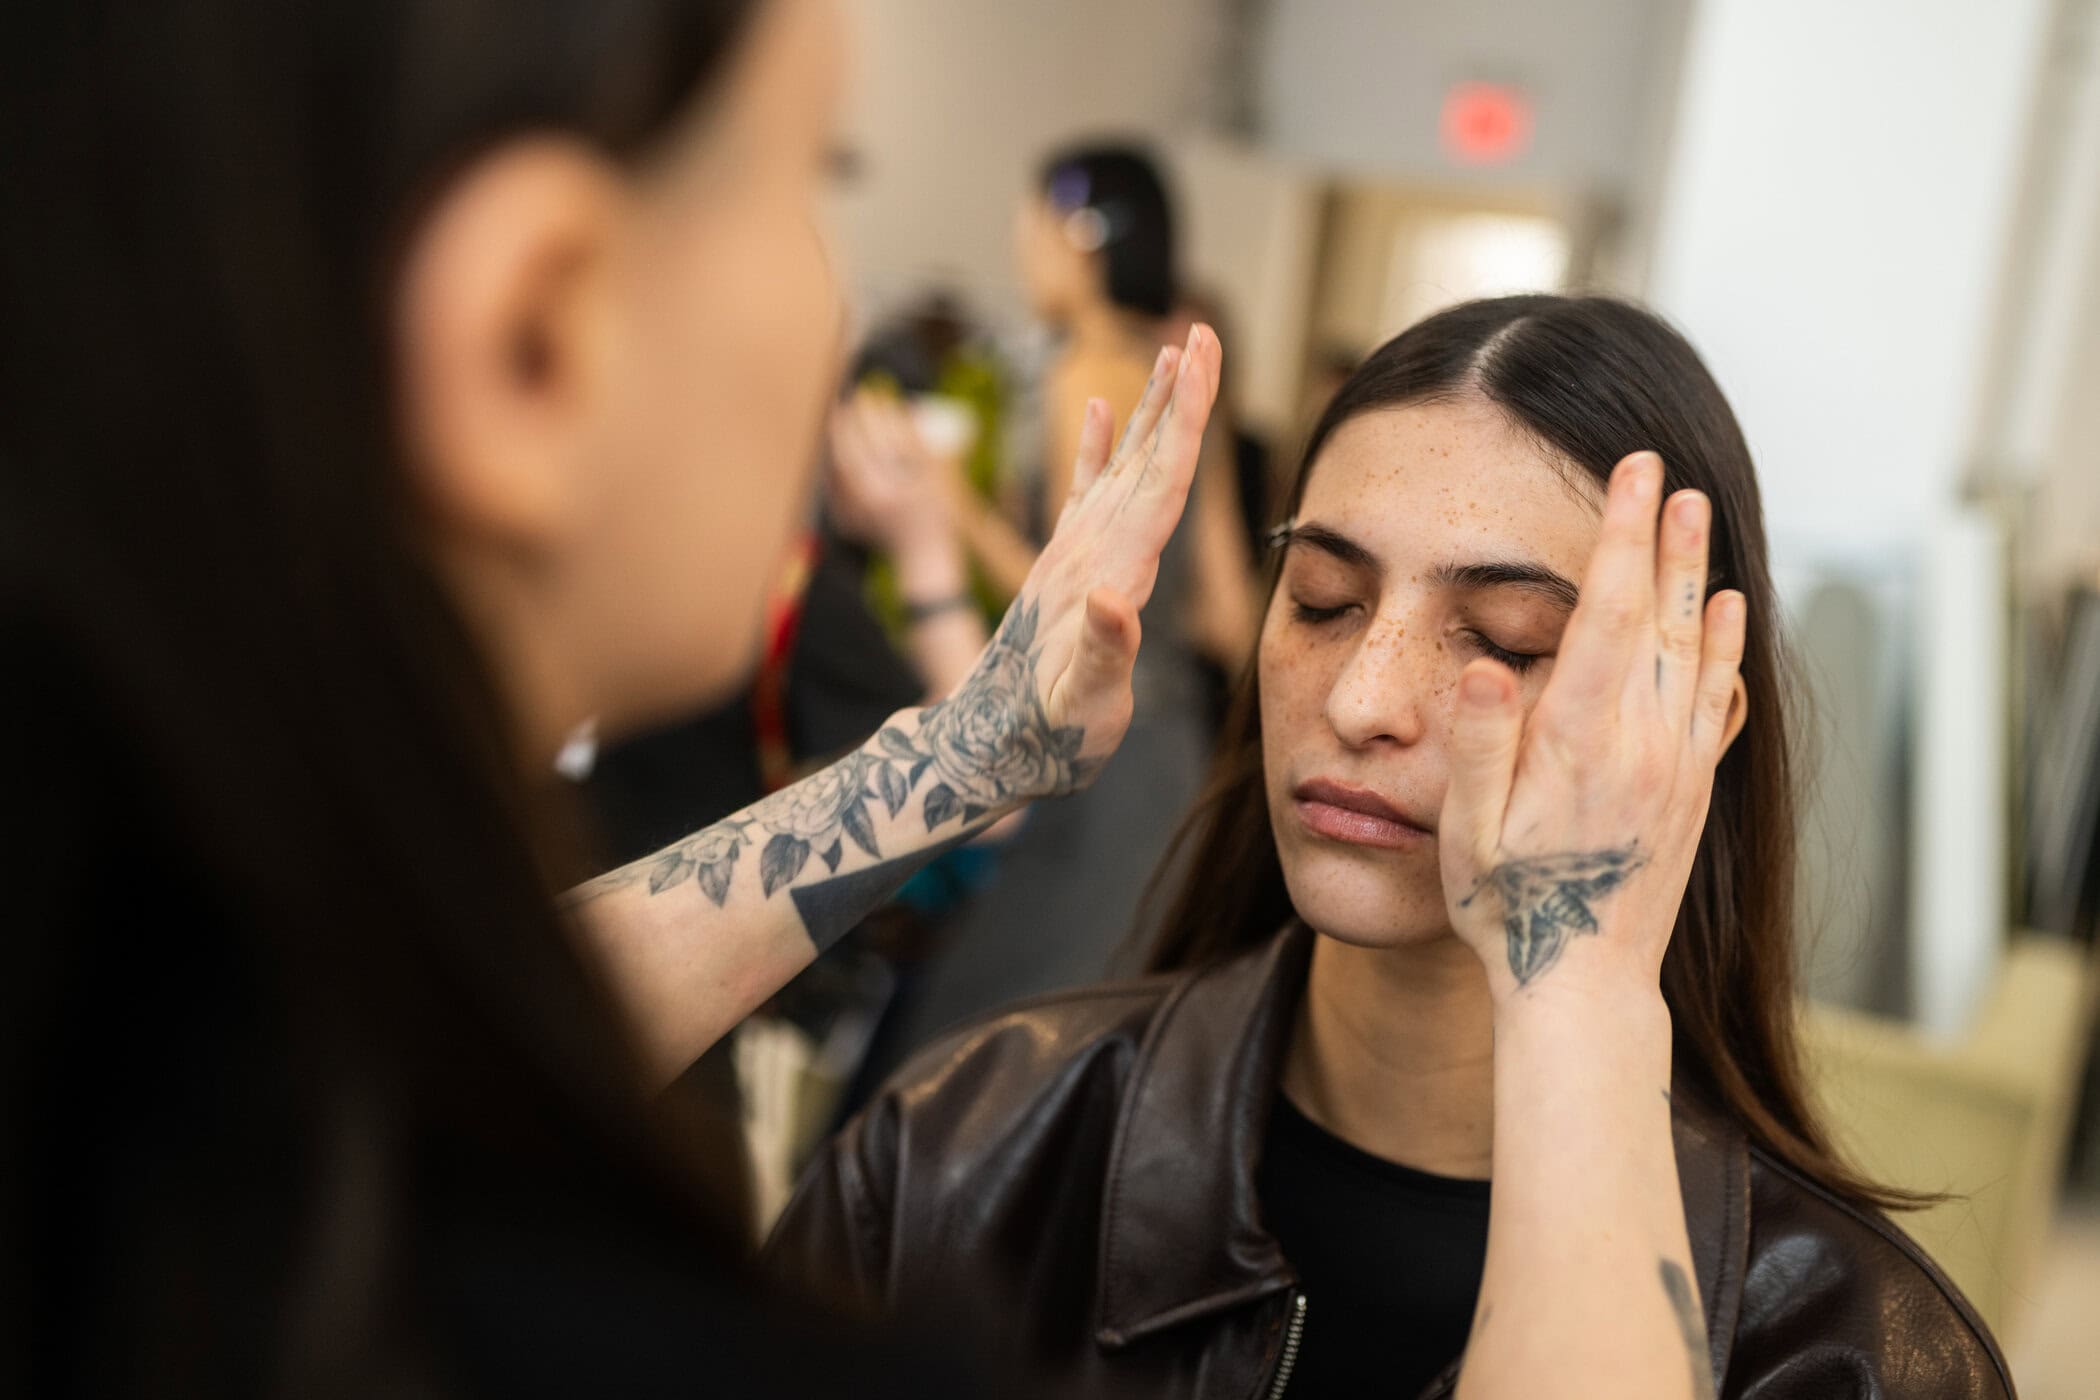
<point x="1377" y="697"/>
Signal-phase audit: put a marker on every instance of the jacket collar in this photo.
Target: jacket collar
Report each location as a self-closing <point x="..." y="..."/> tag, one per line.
<point x="1181" y="1231"/>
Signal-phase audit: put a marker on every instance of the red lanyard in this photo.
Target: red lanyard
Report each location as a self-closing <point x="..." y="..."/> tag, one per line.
<point x="776" y="760"/>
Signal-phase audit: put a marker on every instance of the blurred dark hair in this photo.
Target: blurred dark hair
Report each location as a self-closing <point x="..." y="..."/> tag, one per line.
<point x="277" y="867"/>
<point x="1123" y="186"/>
<point x="1593" y="379"/>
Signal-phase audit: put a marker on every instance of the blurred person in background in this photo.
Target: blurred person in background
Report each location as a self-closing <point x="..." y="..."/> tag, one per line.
<point x="1236" y="454"/>
<point x="1246" y="456"/>
<point x="1266" y="1168"/>
<point x="387" y="388"/>
<point x="1097" y="247"/>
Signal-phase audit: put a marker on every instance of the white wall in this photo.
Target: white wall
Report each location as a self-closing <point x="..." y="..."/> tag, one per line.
<point x="956" y="101"/>
<point x="2064" y="538"/>
<point x="1834" y="236"/>
<point x="1831" y="237"/>
<point x="2049" y="424"/>
<point x="1358" y="87"/>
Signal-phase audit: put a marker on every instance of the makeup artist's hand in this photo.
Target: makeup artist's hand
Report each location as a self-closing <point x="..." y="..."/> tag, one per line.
<point x="1050" y="699"/>
<point x="1566" y="838"/>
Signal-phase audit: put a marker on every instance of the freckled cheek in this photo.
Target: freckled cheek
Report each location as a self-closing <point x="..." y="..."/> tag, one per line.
<point x="1295" y="673"/>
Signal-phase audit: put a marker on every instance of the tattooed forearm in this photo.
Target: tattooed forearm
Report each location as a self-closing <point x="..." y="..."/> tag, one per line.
<point x="831" y="908"/>
<point x="1679" y="1289"/>
<point x="969" y="759"/>
<point x="1546" y="900"/>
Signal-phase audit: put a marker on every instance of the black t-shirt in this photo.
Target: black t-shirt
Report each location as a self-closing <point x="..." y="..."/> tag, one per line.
<point x="1390" y="1259"/>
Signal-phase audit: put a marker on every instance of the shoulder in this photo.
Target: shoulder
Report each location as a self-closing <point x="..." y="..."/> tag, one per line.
<point x="1082" y="374"/>
<point x="1011" y="1061"/>
<point x="1840" y="1301"/>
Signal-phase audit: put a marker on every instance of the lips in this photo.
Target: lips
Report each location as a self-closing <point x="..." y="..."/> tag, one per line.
<point x="1357" y="815"/>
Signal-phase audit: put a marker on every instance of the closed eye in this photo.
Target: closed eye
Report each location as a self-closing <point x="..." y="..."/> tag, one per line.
<point x="1306" y="612"/>
<point x="1518" y="661"/>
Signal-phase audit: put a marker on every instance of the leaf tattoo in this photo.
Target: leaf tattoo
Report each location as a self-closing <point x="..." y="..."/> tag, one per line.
<point x="987" y="746"/>
<point x="782" y="861"/>
<point x="675" y="866"/>
<point x="941" y="805"/>
<point x="1546" y="901"/>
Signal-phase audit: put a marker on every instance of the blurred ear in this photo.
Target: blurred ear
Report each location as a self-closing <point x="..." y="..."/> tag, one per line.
<point x="501" y="311"/>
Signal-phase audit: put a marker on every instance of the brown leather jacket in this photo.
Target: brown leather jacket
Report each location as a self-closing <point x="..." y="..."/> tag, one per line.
<point x="1088" y="1158"/>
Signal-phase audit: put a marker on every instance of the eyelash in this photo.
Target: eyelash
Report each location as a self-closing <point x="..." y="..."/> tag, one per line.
<point x="1306" y="612"/>
<point x="1517" y="661"/>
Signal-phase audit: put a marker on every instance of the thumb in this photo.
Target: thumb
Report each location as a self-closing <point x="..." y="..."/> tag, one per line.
<point x="1485" y="735"/>
<point x="1095" y="684"/>
<point x="1108" y="643"/>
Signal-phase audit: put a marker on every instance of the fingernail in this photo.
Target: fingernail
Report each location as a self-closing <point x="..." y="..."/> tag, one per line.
<point x="1480" y="687"/>
<point x="1733" y="608"/>
<point x="1690" y="509"/>
<point x="1159" y="366"/>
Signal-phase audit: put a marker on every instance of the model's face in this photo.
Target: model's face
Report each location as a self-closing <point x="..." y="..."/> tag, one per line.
<point x="1428" y="536"/>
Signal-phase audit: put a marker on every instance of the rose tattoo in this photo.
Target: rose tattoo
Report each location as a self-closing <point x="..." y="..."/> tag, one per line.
<point x="986" y="747"/>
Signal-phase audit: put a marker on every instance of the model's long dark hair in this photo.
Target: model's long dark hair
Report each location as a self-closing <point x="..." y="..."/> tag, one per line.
<point x="1593" y="379"/>
<point x="284" y="968"/>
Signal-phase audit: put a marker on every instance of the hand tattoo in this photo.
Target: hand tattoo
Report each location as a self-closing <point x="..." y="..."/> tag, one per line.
<point x="990" y="743"/>
<point x="1546" y="900"/>
<point x="986" y="747"/>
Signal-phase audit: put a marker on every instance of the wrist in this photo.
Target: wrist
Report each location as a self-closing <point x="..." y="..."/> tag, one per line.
<point x="919" y="611"/>
<point x="1571" y="1047"/>
<point x="929" y="567"/>
<point x="1575" y="996"/>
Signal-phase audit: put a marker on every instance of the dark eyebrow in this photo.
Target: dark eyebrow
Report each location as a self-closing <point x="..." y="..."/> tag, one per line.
<point x="1532" y="578"/>
<point x="1497" y="573"/>
<point x="1328" y="541"/>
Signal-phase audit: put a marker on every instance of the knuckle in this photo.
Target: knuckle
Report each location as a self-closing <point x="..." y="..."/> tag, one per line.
<point x="1616" y="613"/>
<point x="1713" y="704"/>
<point x="1651" y="780"/>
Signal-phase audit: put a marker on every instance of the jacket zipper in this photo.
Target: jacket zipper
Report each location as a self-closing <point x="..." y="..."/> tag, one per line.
<point x="1291" y="1337"/>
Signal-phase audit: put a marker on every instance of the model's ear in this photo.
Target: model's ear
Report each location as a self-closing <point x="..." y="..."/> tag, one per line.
<point x="501" y="314"/>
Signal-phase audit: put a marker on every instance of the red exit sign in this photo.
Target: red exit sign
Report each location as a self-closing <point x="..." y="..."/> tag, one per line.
<point x="1485" y="123"/>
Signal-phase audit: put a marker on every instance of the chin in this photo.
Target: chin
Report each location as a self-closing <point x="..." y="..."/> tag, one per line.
<point x="1370" y="903"/>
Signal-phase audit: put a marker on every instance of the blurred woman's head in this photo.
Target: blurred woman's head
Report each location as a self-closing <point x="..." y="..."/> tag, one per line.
<point x="386" y="385"/>
<point x="612" y="366"/>
<point x="1097" y="229"/>
<point x="541" y="301"/>
<point x="1445" y="509"/>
